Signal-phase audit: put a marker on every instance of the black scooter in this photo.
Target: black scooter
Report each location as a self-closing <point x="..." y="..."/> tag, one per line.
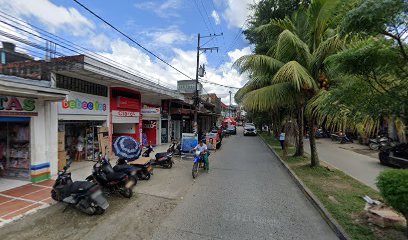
<point x="163" y="159"/>
<point x="83" y="195"/>
<point x="110" y="180"/>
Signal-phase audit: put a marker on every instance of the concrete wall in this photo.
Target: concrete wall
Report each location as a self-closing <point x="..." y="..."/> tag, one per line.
<point x="44" y="146"/>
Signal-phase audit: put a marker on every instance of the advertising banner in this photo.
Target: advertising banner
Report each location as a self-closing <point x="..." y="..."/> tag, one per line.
<point x="188" y="141"/>
<point x="83" y="104"/>
<point x="125" y="117"/>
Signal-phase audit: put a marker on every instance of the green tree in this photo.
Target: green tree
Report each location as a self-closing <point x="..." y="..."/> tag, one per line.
<point x="287" y="75"/>
<point x="393" y="186"/>
<point x="371" y="72"/>
<point x="263" y="12"/>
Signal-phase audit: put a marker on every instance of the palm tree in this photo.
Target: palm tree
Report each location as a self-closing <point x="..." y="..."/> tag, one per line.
<point x="287" y="75"/>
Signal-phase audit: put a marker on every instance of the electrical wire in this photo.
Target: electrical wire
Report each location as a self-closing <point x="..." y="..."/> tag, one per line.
<point x="131" y="39"/>
<point x="67" y="45"/>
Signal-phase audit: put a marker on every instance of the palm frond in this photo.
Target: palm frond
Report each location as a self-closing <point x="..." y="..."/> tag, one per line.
<point x="327" y="48"/>
<point x="270" y="98"/>
<point x="257" y="63"/>
<point x="295" y="74"/>
<point x="290" y="47"/>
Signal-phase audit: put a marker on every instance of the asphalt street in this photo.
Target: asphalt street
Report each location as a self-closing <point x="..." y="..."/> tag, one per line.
<point x="246" y="195"/>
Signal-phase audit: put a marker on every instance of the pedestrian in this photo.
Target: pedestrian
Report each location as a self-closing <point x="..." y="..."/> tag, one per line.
<point x="282" y="139"/>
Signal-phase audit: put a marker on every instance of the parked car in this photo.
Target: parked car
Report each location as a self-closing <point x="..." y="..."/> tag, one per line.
<point x="232" y="130"/>
<point x="394" y="155"/>
<point x="249" y="129"/>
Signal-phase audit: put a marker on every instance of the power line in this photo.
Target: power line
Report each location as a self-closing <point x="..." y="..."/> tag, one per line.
<point x="131" y="39"/>
<point x="67" y="45"/>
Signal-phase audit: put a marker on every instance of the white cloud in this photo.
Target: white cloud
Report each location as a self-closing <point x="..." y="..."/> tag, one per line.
<point x="100" y="42"/>
<point x="54" y="17"/>
<point x="167" y="36"/>
<point x="237" y="12"/>
<point x="216" y="17"/>
<point x="168" y="8"/>
<point x="136" y="59"/>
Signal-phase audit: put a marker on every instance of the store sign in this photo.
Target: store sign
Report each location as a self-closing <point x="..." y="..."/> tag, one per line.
<point x="150" y="111"/>
<point x="129" y="103"/>
<point x="12" y="106"/>
<point x="77" y="103"/>
<point x="125" y="117"/>
<point x="149" y="124"/>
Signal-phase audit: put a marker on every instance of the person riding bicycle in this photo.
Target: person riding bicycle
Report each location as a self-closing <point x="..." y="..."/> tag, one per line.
<point x="202" y="147"/>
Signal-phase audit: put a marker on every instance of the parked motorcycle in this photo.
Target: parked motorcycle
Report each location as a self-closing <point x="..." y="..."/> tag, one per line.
<point x="83" y="195"/>
<point x="345" y="139"/>
<point x="163" y="159"/>
<point x="143" y="166"/>
<point x="379" y="142"/>
<point x="320" y="133"/>
<point x="110" y="180"/>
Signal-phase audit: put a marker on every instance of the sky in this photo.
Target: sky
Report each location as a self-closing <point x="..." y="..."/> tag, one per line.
<point x="168" y="28"/>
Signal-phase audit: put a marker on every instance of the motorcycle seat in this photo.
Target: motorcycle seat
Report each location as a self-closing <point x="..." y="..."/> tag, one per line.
<point x="160" y="155"/>
<point x="123" y="167"/>
<point x="81" y="186"/>
<point x="116" y="176"/>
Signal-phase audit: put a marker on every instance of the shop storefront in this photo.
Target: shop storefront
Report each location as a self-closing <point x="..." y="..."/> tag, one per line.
<point x="28" y="129"/>
<point x="82" y="118"/>
<point x="125" y="108"/>
<point x="151" y="124"/>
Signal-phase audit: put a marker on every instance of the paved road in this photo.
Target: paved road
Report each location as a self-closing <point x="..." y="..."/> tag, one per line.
<point x="347" y="159"/>
<point x="246" y="195"/>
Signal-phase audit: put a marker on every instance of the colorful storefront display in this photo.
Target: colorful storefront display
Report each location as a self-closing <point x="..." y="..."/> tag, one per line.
<point x="28" y="129"/>
<point x="80" y="117"/>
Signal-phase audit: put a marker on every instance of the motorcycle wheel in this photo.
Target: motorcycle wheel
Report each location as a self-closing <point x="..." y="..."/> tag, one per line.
<point x="147" y="176"/>
<point x="195" y="170"/>
<point x="54" y="195"/>
<point x="374" y="146"/>
<point x="99" y="211"/>
<point x="126" y="192"/>
<point x="168" y="165"/>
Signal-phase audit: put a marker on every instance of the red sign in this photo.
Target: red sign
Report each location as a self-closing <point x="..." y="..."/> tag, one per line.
<point x="129" y="103"/>
<point x="149" y="124"/>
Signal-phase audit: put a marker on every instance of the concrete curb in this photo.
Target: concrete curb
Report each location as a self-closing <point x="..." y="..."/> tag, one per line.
<point x="333" y="224"/>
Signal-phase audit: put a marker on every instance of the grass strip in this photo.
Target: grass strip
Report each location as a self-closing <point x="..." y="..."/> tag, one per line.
<point x="340" y="194"/>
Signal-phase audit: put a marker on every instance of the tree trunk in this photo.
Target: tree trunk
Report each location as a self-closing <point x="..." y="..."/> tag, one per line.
<point x="299" y="145"/>
<point x="314" y="158"/>
<point x="406" y="227"/>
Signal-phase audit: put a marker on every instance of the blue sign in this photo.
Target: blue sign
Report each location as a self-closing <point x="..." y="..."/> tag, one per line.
<point x="188" y="141"/>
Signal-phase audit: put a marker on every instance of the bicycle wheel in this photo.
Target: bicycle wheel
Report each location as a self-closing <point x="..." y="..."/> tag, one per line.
<point x="195" y="170"/>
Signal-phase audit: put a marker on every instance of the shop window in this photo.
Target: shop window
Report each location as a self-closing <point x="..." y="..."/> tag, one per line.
<point x="15" y="148"/>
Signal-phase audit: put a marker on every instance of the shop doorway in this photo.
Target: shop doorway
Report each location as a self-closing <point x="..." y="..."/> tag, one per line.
<point x="15" y="159"/>
<point x="81" y="141"/>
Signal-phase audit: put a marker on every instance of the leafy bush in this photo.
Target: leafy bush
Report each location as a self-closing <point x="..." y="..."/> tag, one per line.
<point x="393" y="186"/>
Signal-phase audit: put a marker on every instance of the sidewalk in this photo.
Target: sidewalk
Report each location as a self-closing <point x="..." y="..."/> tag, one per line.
<point x="25" y="199"/>
<point x="353" y="159"/>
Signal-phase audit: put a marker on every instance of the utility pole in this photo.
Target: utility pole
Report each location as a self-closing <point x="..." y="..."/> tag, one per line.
<point x="197" y="95"/>
<point x="230" y="105"/>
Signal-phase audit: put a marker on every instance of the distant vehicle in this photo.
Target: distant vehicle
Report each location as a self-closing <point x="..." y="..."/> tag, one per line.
<point x="231" y="129"/>
<point x="249" y="129"/>
<point x="394" y="155"/>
